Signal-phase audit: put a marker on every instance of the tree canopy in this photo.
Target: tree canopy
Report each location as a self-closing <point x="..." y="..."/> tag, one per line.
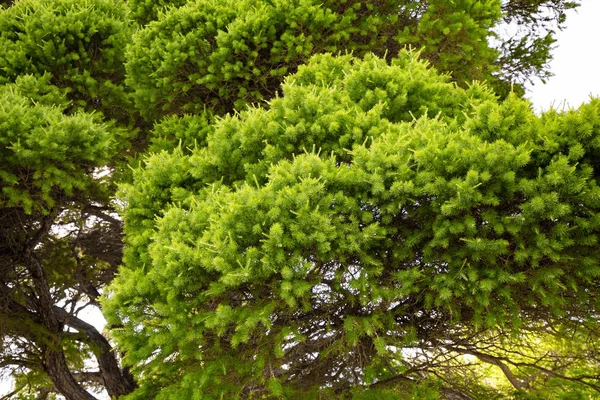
<point x="225" y="55"/>
<point x="79" y="44"/>
<point x="366" y="189"/>
<point x="361" y="236"/>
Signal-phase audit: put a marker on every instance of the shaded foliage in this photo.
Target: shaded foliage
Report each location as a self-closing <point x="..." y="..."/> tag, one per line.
<point x="79" y="43"/>
<point x="224" y="56"/>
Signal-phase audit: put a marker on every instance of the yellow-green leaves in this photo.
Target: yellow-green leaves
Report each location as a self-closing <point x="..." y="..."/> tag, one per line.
<point x="371" y="212"/>
<point x="47" y="155"/>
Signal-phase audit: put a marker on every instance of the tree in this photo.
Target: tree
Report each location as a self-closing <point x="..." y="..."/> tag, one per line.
<point x="62" y="59"/>
<point x="526" y="51"/>
<point x="368" y="234"/>
<point x="79" y="44"/>
<point x="52" y="208"/>
<point x="222" y="56"/>
<point x="60" y="241"/>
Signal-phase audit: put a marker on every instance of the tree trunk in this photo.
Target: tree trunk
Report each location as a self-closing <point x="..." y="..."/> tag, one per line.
<point x="58" y="371"/>
<point x="116" y="381"/>
<point x="54" y="360"/>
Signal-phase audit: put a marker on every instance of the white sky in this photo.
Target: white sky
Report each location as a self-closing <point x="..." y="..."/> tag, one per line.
<point x="576" y="63"/>
<point x="576" y="69"/>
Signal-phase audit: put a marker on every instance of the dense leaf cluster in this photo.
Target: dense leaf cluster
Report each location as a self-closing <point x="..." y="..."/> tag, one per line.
<point x="371" y="215"/>
<point x="47" y="154"/>
<point x="79" y="43"/>
<point x="225" y="55"/>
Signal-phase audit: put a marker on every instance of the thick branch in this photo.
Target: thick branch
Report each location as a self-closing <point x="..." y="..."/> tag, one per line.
<point x="99" y="213"/>
<point x="115" y="380"/>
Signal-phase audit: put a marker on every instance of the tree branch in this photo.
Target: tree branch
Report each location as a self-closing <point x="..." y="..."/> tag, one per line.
<point x="517" y="383"/>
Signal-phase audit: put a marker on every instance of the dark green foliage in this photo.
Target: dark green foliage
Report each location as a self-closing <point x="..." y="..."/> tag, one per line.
<point x="453" y="36"/>
<point x="373" y="215"/>
<point x="225" y="55"/>
<point x="80" y="43"/>
<point x="144" y="11"/>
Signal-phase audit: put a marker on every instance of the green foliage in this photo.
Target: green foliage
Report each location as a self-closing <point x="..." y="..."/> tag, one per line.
<point x="46" y="154"/>
<point x="187" y="132"/>
<point x="226" y="55"/>
<point x="59" y="61"/>
<point x="144" y="11"/>
<point x="80" y="44"/>
<point x="320" y="247"/>
<point x="526" y="53"/>
<point x="223" y="56"/>
<point x="453" y="36"/>
<point x="371" y="208"/>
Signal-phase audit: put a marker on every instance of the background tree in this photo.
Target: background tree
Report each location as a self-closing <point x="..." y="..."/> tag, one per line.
<point x="526" y="45"/>
<point x="223" y="56"/>
<point x="52" y="208"/>
<point x="363" y="236"/>
<point x="79" y="44"/>
<point x="60" y="241"/>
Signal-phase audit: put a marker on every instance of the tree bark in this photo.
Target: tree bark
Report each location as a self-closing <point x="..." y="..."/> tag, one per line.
<point x="58" y="371"/>
<point x="116" y="381"/>
<point x="53" y="356"/>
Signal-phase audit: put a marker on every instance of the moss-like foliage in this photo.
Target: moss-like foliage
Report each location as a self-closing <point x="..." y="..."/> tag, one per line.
<point x="145" y="11"/>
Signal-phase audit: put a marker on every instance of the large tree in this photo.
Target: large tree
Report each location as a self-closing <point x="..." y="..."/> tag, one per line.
<point x="224" y="55"/>
<point x="370" y="233"/>
<point x="54" y="208"/>
<point x="62" y="59"/>
<point x="61" y="66"/>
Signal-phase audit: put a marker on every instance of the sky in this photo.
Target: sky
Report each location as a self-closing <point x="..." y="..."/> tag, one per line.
<point x="576" y="69"/>
<point x="576" y="63"/>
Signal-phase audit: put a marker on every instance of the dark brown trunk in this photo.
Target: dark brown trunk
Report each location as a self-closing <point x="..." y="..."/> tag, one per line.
<point x="116" y="381"/>
<point x="40" y="308"/>
<point x="58" y="371"/>
<point x="53" y="356"/>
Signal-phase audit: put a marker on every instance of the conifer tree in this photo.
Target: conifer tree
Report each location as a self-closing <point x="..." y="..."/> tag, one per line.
<point x="53" y="209"/>
<point x="62" y="71"/>
<point x="80" y="44"/>
<point x="225" y="55"/>
<point x="362" y="236"/>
